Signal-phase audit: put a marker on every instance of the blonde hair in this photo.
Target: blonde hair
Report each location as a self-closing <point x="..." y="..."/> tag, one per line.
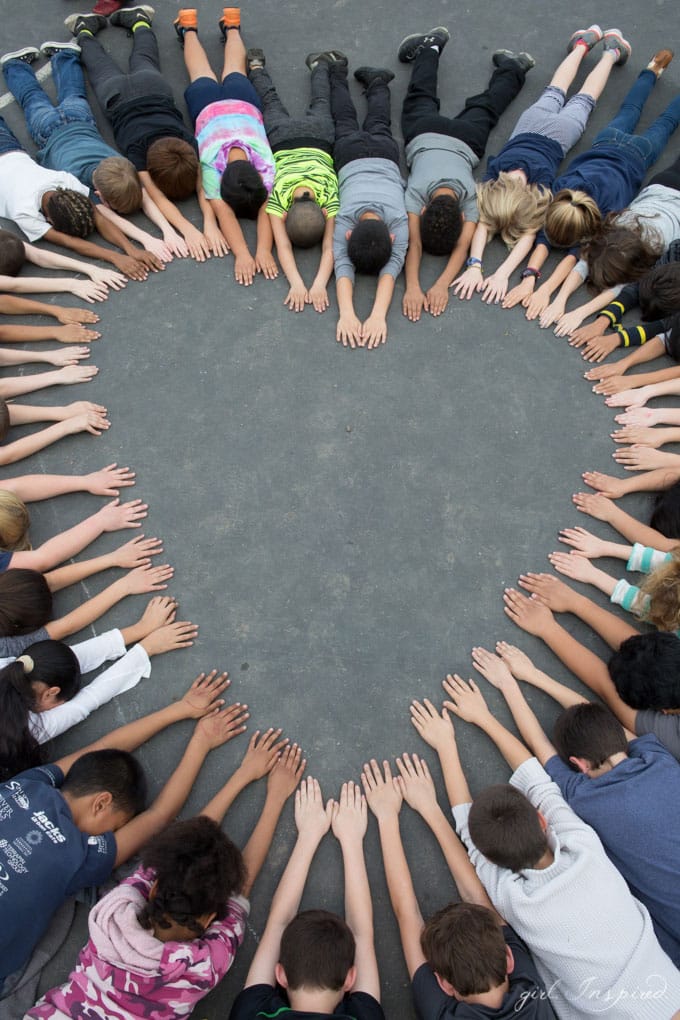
<point x="663" y="588"/>
<point x="14" y="521"/>
<point x="119" y="185"/>
<point x="572" y="217"/>
<point x="511" y="208"/>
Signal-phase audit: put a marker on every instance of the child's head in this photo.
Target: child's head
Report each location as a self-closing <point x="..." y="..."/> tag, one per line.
<point x="369" y="246"/>
<point x="12" y="253"/>
<point x="25" y="602"/>
<point x="620" y="254"/>
<point x="441" y="223"/>
<point x="305" y="222"/>
<point x="662" y="586"/>
<point x="665" y="516"/>
<point x="110" y="786"/>
<point x="511" y="208"/>
<point x="646" y="671"/>
<point x="243" y="189"/>
<point x="118" y="185"/>
<point x="46" y="675"/>
<point x="464" y="946"/>
<point x="588" y="734"/>
<point x="571" y="218"/>
<point x="14" y="521"/>
<point x="317" y="952"/>
<point x="172" y="165"/>
<point x="197" y="869"/>
<point x="659" y="292"/>
<point x="507" y="828"/>
<point x="69" y="212"/>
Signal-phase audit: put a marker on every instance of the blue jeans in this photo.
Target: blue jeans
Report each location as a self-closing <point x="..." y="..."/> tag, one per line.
<point x="8" y="140"/>
<point x="42" y="117"/>
<point x="619" y="131"/>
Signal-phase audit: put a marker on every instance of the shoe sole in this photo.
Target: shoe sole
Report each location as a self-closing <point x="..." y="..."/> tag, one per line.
<point x="23" y="54"/>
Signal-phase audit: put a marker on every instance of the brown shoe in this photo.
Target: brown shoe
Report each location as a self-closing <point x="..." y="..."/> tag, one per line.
<point x="660" y="62"/>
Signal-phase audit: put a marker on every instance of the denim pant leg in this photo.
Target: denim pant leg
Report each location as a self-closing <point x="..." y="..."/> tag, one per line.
<point x="660" y="131"/>
<point x="421" y="96"/>
<point x="69" y="80"/>
<point x="8" y="140"/>
<point x="631" y="107"/>
<point x="41" y="116"/>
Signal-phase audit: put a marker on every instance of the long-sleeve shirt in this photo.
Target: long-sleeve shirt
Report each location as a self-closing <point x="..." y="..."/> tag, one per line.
<point x="629" y="297"/>
<point x="644" y="560"/>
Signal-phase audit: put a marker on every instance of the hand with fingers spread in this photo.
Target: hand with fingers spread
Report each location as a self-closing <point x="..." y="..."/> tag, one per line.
<point x="146" y="579"/>
<point x="109" y="480"/>
<point x="116" y="515"/>
<point x="639" y="436"/>
<point x="593" y="331"/>
<point x="373" y="331"/>
<point x="221" y="725"/>
<point x="264" y="750"/>
<point x="466" y="700"/>
<point x="568" y="323"/>
<point x="644" y="458"/>
<point x="537" y="303"/>
<point x="598" y="349"/>
<point x="585" y="543"/>
<point x="601" y="373"/>
<point x="312" y="816"/>
<point x="435" y="729"/>
<point x="171" y="637"/>
<point x="381" y="790"/>
<point x="284" y="777"/>
<point x="350" y="814"/>
<point x="416" y="784"/>
<point x="630" y="397"/>
<point x="204" y="694"/>
<point x="575" y="566"/>
<point x="608" y="485"/>
<point x="611" y="384"/>
<point x="348" y="331"/>
<point x="136" y="552"/>
<point x="595" y="504"/>
<point x="468" y="283"/>
<point x="86" y="421"/>
<point x="244" y="269"/>
<point x="265" y="263"/>
<point x="529" y="614"/>
<point x="74" y="317"/>
<point x="60" y="357"/>
<point x="160" y="611"/>
<point x="493" y="668"/>
<point x="646" y="416"/>
<point x="549" y="590"/>
<point x="520" y="294"/>
<point x="72" y="374"/>
<point x="437" y="299"/>
<point x="495" y="288"/>
<point x="517" y="661"/>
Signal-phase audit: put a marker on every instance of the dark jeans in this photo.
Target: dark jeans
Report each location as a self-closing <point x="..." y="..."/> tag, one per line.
<point x="317" y="122"/>
<point x="42" y="117"/>
<point x="8" y="140"/>
<point x="113" y="86"/>
<point x="670" y="177"/>
<point x="652" y="142"/>
<point x="472" y="125"/>
<point x="372" y="141"/>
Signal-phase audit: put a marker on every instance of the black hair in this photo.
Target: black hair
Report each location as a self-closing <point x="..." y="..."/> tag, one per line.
<point x="197" y="869"/>
<point x="70" y="213"/>
<point x="317" y="951"/>
<point x="671" y="327"/>
<point x="659" y="292"/>
<point x="242" y="188"/>
<point x="646" y="671"/>
<point x="111" y="771"/>
<point x="441" y="224"/>
<point x="305" y="222"/>
<point x="12" y="253"/>
<point x="665" y="516"/>
<point x="25" y="602"/>
<point x="588" y="731"/>
<point x="369" y="246"/>
<point x="4" y="419"/>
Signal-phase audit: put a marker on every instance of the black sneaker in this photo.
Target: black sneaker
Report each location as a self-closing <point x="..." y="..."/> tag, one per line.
<point x="92" y="23"/>
<point x="325" y="57"/>
<point x="28" y="54"/>
<point x="524" y="60"/>
<point x="255" y="58"/>
<point x="411" y="46"/>
<point x="127" y="17"/>
<point x="366" y="76"/>
<point x="48" y="49"/>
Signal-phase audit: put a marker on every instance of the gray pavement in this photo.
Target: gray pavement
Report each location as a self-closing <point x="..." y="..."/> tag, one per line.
<point x="342" y="523"/>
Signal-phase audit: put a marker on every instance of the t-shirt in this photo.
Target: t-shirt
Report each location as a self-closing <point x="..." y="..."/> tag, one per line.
<point x="22" y="186"/>
<point x="665" y="727"/>
<point x="297" y="167"/>
<point x="526" y="998"/>
<point x="624" y="806"/>
<point x="439" y="161"/>
<point x="658" y="208"/>
<point x="76" y="148"/>
<point x="229" y="124"/>
<point x="44" y="858"/>
<point x="125" y="972"/>
<point x="265" y="1002"/>
<point x="140" y="122"/>
<point x="539" y="157"/>
<point x="16" y="644"/>
<point x="370" y="185"/>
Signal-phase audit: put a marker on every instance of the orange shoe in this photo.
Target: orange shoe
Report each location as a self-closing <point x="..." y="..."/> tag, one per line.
<point x="231" y="18"/>
<point x="186" y="21"/>
<point x="660" y="62"/>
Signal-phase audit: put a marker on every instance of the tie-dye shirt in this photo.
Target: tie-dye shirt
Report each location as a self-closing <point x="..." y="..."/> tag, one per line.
<point x="229" y="124"/>
<point x="126" y="973"/>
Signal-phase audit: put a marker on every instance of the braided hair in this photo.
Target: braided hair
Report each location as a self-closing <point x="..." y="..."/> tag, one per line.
<point x="70" y="213"/>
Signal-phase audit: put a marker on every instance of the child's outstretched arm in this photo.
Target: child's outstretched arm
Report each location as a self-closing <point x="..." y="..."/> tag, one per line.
<point x="265" y="262"/>
<point x="645" y="481"/>
<point x="569" y="322"/>
<point x="11" y="305"/>
<point x="125" y="264"/>
<point x="88" y="290"/>
<point x="437" y="297"/>
<point x="313" y="821"/>
<point x="92" y="421"/>
<point x="654" y="348"/>
<point x="68" y="334"/>
<point x="472" y="279"/>
<point x="56" y="260"/>
<point x="244" y="263"/>
<point x="555" y="311"/>
<point x="522" y="668"/>
<point x="466" y="702"/>
<point x="195" y="241"/>
<point x="318" y="292"/>
<point x="172" y="242"/>
<point x="414" y="297"/>
<point x="374" y="328"/>
<point x="33" y="488"/>
<point x="214" y="239"/>
<point x="561" y="598"/>
<point x="136" y="553"/>
<point x="297" y="295"/>
<point x="540" y="299"/>
<point x="604" y="509"/>
<point x="350" y="819"/>
<point x="437" y="731"/>
<point x="522" y="292"/>
<point x="153" y="252"/>
<point x="348" y="329"/>
<point x="18" y="386"/>
<point x="495" y="286"/>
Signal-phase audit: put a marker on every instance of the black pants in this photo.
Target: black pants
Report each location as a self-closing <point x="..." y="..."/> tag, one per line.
<point x="670" y="177"/>
<point x="472" y="125"/>
<point x="372" y="141"/>
<point x="113" y="86"/>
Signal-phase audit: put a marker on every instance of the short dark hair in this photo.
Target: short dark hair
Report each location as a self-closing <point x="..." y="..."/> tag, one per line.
<point x="111" y="771"/>
<point x="588" y="731"/>
<point x="70" y="213"/>
<point x="12" y="253"/>
<point x="5" y="423"/>
<point x="620" y="254"/>
<point x="197" y="869"/>
<point x="305" y="222"/>
<point x="243" y="189"/>
<point x="505" y="827"/>
<point x="672" y="331"/>
<point x="317" y="951"/>
<point x="646" y="671"/>
<point x="25" y="602"/>
<point x="441" y="224"/>
<point x="464" y="944"/>
<point x="369" y="246"/>
<point x="659" y="292"/>
<point x="172" y="165"/>
<point x="665" y="516"/>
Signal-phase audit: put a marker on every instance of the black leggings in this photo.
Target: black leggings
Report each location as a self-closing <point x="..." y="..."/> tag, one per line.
<point x="670" y="177"/>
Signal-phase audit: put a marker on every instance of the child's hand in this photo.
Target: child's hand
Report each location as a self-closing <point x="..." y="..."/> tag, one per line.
<point x="611" y="385"/>
<point x="437" y="298"/>
<point x="575" y="566"/>
<point x="74" y="316"/>
<point x="68" y="355"/>
<point x="435" y="729"/>
<point x="641" y="416"/>
<point x="221" y="725"/>
<point x="568" y="323"/>
<point x="131" y="266"/>
<point x="175" y="243"/>
<point x="265" y="263"/>
<point x="636" y="436"/>
<point x="495" y="288"/>
<point x="93" y="422"/>
<point x="493" y="669"/>
<point x="318" y="297"/>
<point x="244" y="269"/>
<point x="136" y="552"/>
<point x="551" y="313"/>
<point x="197" y="245"/>
<point x="286" y="773"/>
<point x="263" y="753"/>
<point x="597" y="350"/>
<point x="531" y="615"/>
<point x="416" y="784"/>
<point x="595" y="505"/>
<point x="144" y="579"/>
<point x="158" y="247"/>
<point x="630" y="398"/>
<point x="348" y="331"/>
<point x="466" y="700"/>
<point x="521" y="293"/>
<point x="608" y="485"/>
<point x="312" y="819"/>
<point x="583" y="542"/>
<point x="468" y="283"/>
<point x="643" y="458"/>
<point x="593" y="331"/>
<point x="383" y="794"/>
<point x="413" y="303"/>
<point x="605" y="372"/>
<point x="160" y="611"/>
<point x="149" y="260"/>
<point x="549" y="590"/>
<point x="176" y="635"/>
<point x="75" y="374"/>
<point x="350" y="814"/>
<point x="537" y="302"/>
<point x="517" y="661"/>
<point x="74" y="333"/>
<point x="116" y="515"/>
<point x="107" y="481"/>
<point x="217" y="242"/>
<point x="296" y="298"/>
<point x="373" y="332"/>
<point x="107" y="277"/>
<point x="204" y="694"/>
